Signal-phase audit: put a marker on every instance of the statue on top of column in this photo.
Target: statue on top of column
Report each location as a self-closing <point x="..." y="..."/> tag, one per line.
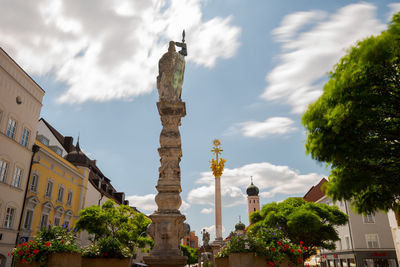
<point x="171" y="68"/>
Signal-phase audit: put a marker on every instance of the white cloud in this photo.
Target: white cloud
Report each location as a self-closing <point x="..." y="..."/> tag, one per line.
<point x="270" y="179"/>
<point x="307" y="56"/>
<point x="105" y="49"/>
<point x="293" y="22"/>
<point x="394" y="8"/>
<point x="207" y="211"/>
<point x="148" y="204"/>
<point x="211" y="229"/>
<point x="145" y="202"/>
<point x="271" y="126"/>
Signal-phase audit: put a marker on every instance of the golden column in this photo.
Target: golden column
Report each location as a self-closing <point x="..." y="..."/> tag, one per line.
<point x="217" y="167"/>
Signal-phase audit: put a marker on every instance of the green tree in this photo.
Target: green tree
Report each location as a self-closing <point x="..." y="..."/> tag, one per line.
<point x="191" y="253"/>
<point x="355" y="125"/>
<point x="116" y="228"/>
<point x="301" y="221"/>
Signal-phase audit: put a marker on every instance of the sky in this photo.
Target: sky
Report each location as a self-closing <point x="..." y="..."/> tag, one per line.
<point x="251" y="71"/>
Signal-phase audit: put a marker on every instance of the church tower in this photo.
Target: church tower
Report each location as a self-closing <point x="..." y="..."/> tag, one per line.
<point x="253" y="200"/>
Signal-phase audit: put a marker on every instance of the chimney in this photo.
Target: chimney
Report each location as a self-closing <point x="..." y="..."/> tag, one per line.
<point x="68" y="140"/>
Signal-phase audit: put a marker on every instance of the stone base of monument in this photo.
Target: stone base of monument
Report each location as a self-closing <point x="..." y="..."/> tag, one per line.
<point x="168" y="261"/>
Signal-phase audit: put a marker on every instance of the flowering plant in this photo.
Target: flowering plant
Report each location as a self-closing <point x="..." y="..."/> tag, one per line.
<point x="267" y="242"/>
<point x="275" y="247"/>
<point x="48" y="240"/>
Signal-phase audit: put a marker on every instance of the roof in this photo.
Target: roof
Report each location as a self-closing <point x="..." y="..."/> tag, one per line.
<point x="315" y="192"/>
<point x="95" y="174"/>
<point x="21" y="69"/>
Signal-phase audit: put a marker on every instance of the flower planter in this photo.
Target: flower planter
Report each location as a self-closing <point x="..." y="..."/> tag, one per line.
<point x="251" y="259"/>
<point x="58" y="260"/>
<point x="241" y="259"/>
<point x="106" y="262"/>
<point x="222" y="262"/>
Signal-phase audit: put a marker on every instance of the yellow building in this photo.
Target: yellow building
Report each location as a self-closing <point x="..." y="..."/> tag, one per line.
<point x="57" y="188"/>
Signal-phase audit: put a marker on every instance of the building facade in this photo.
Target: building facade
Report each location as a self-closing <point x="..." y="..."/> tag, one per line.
<point x="56" y="190"/>
<point x="366" y="240"/>
<point x="20" y="106"/>
<point x="96" y="188"/>
<point x="191" y="240"/>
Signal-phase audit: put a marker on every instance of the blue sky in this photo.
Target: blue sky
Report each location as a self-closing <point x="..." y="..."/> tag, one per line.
<point x="253" y="67"/>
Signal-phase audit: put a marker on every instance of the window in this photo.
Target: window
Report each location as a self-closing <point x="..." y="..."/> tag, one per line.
<point x="368" y="218"/>
<point x="339" y="244"/>
<point x="347" y="238"/>
<point x="34" y="183"/>
<point x="28" y="219"/>
<point x="60" y="195"/>
<point x="44" y="220"/>
<point x="45" y="141"/>
<point x="17" y="177"/>
<point x="372" y="240"/>
<point x="49" y="188"/>
<point x="25" y="137"/>
<point x="254" y="209"/>
<point x="3" y="170"/>
<point x="57" y="221"/>
<point x="9" y="217"/>
<point x="69" y="198"/>
<point x="12" y="125"/>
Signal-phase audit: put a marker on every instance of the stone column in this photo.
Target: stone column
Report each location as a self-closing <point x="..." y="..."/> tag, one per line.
<point x="218" y="215"/>
<point x="168" y="227"/>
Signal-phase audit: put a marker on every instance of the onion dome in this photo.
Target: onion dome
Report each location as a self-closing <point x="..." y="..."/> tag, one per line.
<point x="252" y="190"/>
<point x="77" y="157"/>
<point x="240" y="226"/>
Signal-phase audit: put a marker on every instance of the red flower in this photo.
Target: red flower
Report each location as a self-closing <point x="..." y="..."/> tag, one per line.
<point x="62" y="241"/>
<point x="286" y="245"/>
<point x="292" y="250"/>
<point x="20" y="252"/>
<point x="105" y="254"/>
<point x="272" y="249"/>
<point x="24" y="244"/>
<point x="270" y="263"/>
<point x="48" y="244"/>
<point x="23" y="261"/>
<point x="301" y="243"/>
<point x="36" y="251"/>
<point x="305" y="248"/>
<point x="299" y="251"/>
<point x="278" y="243"/>
<point x="299" y="260"/>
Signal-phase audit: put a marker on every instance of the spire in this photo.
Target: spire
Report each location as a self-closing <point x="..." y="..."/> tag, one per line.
<point x="251" y="177"/>
<point x="77" y="147"/>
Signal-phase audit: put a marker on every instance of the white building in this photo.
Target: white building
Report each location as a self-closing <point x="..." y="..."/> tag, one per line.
<point x="20" y="105"/>
<point x="366" y="240"/>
